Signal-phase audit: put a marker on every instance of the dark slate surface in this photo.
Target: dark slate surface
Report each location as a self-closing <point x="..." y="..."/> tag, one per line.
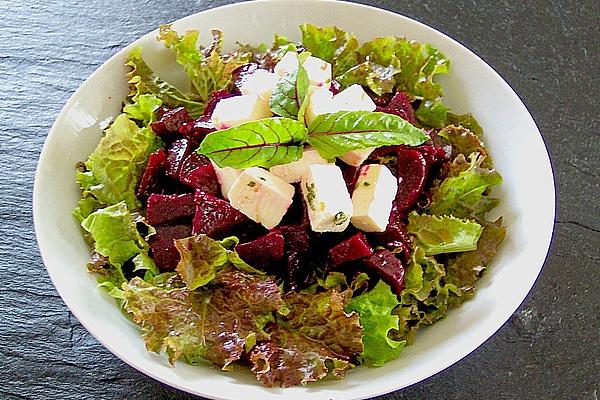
<point x="549" y="51"/>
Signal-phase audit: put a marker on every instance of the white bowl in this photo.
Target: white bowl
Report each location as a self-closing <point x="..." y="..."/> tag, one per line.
<point x="472" y="86"/>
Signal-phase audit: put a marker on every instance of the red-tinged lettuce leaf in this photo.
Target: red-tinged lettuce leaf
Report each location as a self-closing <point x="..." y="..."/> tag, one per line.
<point x="447" y="234"/>
<point x="466" y="268"/>
<point x="465" y="142"/>
<point x="376" y="77"/>
<point x="432" y="113"/>
<point x="336" y="134"/>
<point x="113" y="169"/>
<point x="201" y="258"/>
<point x="425" y="298"/>
<point x="266" y="57"/>
<point x="263" y="143"/>
<point x="292" y="359"/>
<point x="331" y="44"/>
<point x="207" y="69"/>
<point x="216" y="324"/>
<point x="321" y="317"/>
<point x="375" y="309"/>
<point x="467" y="121"/>
<point x="464" y="195"/>
<point x="143" y="81"/>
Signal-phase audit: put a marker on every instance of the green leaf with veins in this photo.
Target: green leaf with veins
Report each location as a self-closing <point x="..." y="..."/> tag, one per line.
<point x="335" y="134"/>
<point x="201" y="258"/>
<point x="467" y="121"/>
<point x="331" y="44"/>
<point x="264" y="143"/>
<point x="447" y="234"/>
<point x="465" y="142"/>
<point x="143" y="107"/>
<point x="431" y="113"/>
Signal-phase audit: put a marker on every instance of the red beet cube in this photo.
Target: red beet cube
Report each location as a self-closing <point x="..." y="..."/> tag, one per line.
<point x="412" y="173"/>
<point x="163" y="208"/>
<point x="176" y="155"/>
<point x="395" y="237"/>
<point x="215" y="217"/>
<point x="400" y="105"/>
<point x="162" y="245"/>
<point x="353" y="248"/>
<point x="263" y="250"/>
<point x="154" y="168"/>
<point x="198" y="173"/>
<point x="196" y="130"/>
<point x="169" y="122"/>
<point x="296" y="238"/>
<point x="386" y="266"/>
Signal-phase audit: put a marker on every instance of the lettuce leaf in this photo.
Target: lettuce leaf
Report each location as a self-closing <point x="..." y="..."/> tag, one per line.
<point x="466" y="268"/>
<point x="201" y="257"/>
<point x="331" y="44"/>
<point x="207" y="69"/>
<point x="143" y="81"/>
<point x="464" y="195"/>
<point x="375" y="310"/>
<point x="143" y="107"/>
<point x="425" y="297"/>
<point x="267" y="56"/>
<point x="432" y="113"/>
<point x="85" y="206"/>
<point x="445" y="234"/>
<point x="116" y="164"/>
<point x="210" y="323"/>
<point x="465" y="142"/>
<point x="467" y="121"/>
<point x="115" y="234"/>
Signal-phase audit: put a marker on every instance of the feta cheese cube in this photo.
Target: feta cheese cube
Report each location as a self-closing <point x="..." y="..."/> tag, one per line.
<point x="372" y="198"/>
<point x="226" y="177"/>
<point x="261" y="83"/>
<point x="294" y="171"/>
<point x="327" y="198"/>
<point x="320" y="101"/>
<point x="261" y="196"/>
<point x="318" y="71"/>
<point x="236" y="110"/>
<point x="357" y="157"/>
<point x="353" y="98"/>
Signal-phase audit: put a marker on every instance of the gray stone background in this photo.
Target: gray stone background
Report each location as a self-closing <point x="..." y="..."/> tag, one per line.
<point x="548" y="51"/>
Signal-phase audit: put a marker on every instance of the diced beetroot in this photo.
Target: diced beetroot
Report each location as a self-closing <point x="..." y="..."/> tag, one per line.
<point x="298" y="271"/>
<point x="353" y="248"/>
<point x="262" y="251"/>
<point x="163" y="248"/>
<point x="175" y="156"/>
<point x="164" y="208"/>
<point x="335" y="87"/>
<point x="154" y="168"/>
<point x="241" y="74"/>
<point x="195" y="131"/>
<point x="395" y="237"/>
<point x="214" y="98"/>
<point x="169" y="123"/>
<point x="400" y="105"/>
<point x="386" y="266"/>
<point x="412" y="174"/>
<point x="297" y="213"/>
<point x="215" y="217"/>
<point x="433" y="154"/>
<point x="191" y="162"/>
<point x="296" y="238"/>
<point x="202" y="178"/>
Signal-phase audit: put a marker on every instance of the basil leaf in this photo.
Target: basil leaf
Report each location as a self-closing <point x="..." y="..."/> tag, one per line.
<point x="263" y="143"/>
<point x="336" y="134"/>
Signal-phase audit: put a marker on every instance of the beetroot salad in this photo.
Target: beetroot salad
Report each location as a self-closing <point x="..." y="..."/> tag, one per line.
<point x="301" y="209"/>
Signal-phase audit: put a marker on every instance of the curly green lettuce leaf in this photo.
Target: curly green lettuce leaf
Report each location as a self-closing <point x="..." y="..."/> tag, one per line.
<point x="464" y="269"/>
<point x="447" y="234"/>
<point x="375" y="310"/>
<point x="425" y="297"/>
<point x="85" y="206"/>
<point x="465" y="142"/>
<point x="201" y="258"/>
<point x="211" y="324"/>
<point x="464" y="195"/>
<point x="331" y="44"/>
<point x="467" y="121"/>
<point x="207" y="69"/>
<point x="267" y="56"/>
<point x="143" y="81"/>
<point x="114" y="167"/>
<point x="378" y="78"/>
<point x="109" y="277"/>
<point x="336" y="134"/>
<point x="115" y="234"/>
<point x="264" y="143"/>
<point x="432" y="113"/>
<point x="143" y="107"/>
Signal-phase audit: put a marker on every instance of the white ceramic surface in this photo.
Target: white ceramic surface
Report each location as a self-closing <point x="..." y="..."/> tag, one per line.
<point x="510" y="133"/>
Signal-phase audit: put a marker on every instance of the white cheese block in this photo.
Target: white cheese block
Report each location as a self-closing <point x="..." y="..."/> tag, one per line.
<point x="294" y="171"/>
<point x="357" y="157"/>
<point x="261" y="83"/>
<point x="236" y="110"/>
<point x="226" y="177"/>
<point x="320" y="101"/>
<point x="353" y="98"/>
<point x="372" y="198"/>
<point x="318" y="71"/>
<point x="328" y="201"/>
<point x="261" y="196"/>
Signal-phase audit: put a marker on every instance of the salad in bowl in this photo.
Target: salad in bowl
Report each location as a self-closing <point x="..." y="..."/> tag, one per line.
<point x="302" y="209"/>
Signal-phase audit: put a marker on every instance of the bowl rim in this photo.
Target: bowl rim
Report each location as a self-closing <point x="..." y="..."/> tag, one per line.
<point x="43" y="244"/>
